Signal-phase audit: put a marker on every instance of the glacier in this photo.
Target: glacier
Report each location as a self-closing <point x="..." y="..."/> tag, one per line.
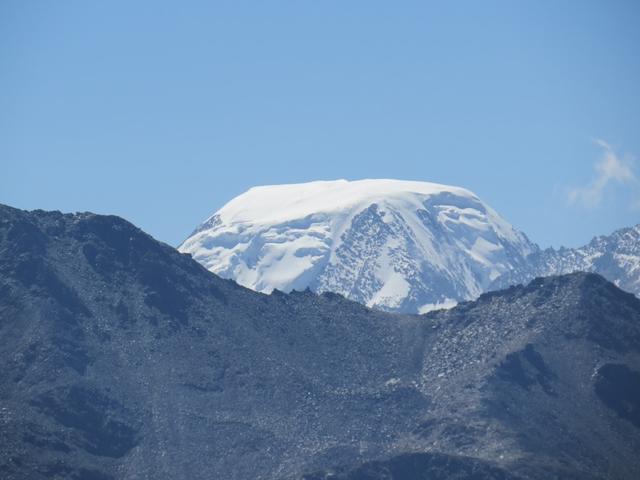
<point x="394" y="245"/>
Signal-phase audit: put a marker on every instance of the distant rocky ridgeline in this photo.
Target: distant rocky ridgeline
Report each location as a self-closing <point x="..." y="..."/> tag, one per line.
<point x="616" y="257"/>
<point x="122" y="358"/>
<point x="393" y="245"/>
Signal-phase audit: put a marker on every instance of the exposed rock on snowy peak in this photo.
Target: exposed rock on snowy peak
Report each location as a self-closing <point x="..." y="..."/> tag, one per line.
<point x="616" y="257"/>
<point x="395" y="245"/>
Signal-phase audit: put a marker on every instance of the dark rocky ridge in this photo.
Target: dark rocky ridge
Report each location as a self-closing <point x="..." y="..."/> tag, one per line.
<point x="125" y="359"/>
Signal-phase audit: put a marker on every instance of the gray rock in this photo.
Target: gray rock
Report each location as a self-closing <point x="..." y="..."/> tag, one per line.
<point x="616" y="257"/>
<point x="125" y="359"/>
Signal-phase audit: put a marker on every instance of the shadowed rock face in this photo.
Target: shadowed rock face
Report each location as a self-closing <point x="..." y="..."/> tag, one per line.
<point x="619" y="389"/>
<point x="416" y="466"/>
<point x="123" y="358"/>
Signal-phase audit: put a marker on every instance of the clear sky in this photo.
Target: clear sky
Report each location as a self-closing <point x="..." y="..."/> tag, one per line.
<point x="162" y="111"/>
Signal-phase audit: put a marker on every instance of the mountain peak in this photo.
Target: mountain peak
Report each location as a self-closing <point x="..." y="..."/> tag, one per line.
<point x="392" y="244"/>
<point x="616" y="257"/>
<point x="270" y="203"/>
<point x="116" y="347"/>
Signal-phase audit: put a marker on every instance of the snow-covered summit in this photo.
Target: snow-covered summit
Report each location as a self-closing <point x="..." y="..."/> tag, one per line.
<point x="396" y="245"/>
<point x="272" y="203"/>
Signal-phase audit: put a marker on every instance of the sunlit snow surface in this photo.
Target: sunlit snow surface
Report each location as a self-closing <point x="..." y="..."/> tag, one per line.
<point x="390" y="244"/>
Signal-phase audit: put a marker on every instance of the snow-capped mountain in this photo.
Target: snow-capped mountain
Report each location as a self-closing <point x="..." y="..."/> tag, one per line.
<point x="616" y="257"/>
<point x="395" y="245"/>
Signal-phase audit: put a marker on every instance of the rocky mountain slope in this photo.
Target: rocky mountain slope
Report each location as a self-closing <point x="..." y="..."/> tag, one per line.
<point x="124" y="359"/>
<point x="389" y="244"/>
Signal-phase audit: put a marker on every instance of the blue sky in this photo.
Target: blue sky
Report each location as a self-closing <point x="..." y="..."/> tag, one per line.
<point x="161" y="112"/>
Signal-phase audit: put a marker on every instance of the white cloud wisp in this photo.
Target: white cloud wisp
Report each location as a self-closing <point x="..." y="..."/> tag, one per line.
<point x="609" y="169"/>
